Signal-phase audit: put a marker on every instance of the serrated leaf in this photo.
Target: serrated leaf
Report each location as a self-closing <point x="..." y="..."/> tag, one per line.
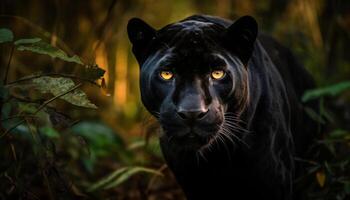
<point x="57" y="86"/>
<point x="6" y="35"/>
<point x="332" y="90"/>
<point x="321" y="178"/>
<point x="36" y="45"/>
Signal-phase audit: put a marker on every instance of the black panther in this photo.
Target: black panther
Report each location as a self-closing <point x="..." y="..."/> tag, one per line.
<point x="228" y="100"/>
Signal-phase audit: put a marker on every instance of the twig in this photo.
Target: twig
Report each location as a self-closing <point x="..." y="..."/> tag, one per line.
<point x="17" y="116"/>
<point x="43" y="106"/>
<point x="53" y="74"/>
<point x="56" y="97"/>
<point x="8" y="65"/>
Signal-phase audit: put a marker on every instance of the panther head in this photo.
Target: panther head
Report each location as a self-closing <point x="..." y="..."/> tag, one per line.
<point x="194" y="76"/>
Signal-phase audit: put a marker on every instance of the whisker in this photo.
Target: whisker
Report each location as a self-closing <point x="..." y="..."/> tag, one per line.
<point x="202" y="155"/>
<point x="234" y="116"/>
<point x="238" y="120"/>
<point x="239" y="139"/>
<point x="233" y="122"/>
<point x="237" y="127"/>
<point x="226" y="134"/>
<point x="225" y="146"/>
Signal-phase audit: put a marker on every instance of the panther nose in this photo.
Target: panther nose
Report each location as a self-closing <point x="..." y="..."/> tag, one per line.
<point x="192" y="114"/>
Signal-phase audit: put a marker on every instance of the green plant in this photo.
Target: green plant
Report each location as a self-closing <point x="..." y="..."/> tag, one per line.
<point x="331" y="164"/>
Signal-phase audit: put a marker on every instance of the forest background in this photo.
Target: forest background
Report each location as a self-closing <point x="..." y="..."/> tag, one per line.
<point x="73" y="126"/>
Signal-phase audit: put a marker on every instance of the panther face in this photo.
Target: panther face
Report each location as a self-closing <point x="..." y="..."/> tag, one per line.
<point x="193" y="77"/>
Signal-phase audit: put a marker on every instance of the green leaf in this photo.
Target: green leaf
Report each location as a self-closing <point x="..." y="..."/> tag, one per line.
<point x="36" y="45"/>
<point x="49" y="132"/>
<point x="99" y="136"/>
<point x="128" y="173"/>
<point x="29" y="108"/>
<point x="152" y="146"/>
<point x="106" y="180"/>
<point x="8" y="110"/>
<point x="6" y="35"/>
<point x="121" y="175"/>
<point x="27" y="41"/>
<point x="332" y="90"/>
<point x="313" y="115"/>
<point x="57" y="86"/>
<point x="338" y="134"/>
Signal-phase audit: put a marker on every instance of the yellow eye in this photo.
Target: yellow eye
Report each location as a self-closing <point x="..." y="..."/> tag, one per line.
<point x="166" y="75"/>
<point x="217" y="74"/>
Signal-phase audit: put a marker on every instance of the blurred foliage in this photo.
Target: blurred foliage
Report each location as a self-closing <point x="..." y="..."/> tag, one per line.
<point x="54" y="146"/>
<point x="38" y="46"/>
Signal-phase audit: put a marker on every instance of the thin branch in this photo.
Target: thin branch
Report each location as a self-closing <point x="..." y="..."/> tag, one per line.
<point x="43" y="106"/>
<point x="8" y="65"/>
<point x="56" y="97"/>
<point x="17" y="116"/>
<point x="53" y="74"/>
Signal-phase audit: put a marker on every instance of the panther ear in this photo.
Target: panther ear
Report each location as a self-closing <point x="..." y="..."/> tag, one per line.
<point x="140" y="34"/>
<point x="241" y="36"/>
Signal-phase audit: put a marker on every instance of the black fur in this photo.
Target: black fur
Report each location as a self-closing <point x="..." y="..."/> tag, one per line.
<point x="232" y="138"/>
